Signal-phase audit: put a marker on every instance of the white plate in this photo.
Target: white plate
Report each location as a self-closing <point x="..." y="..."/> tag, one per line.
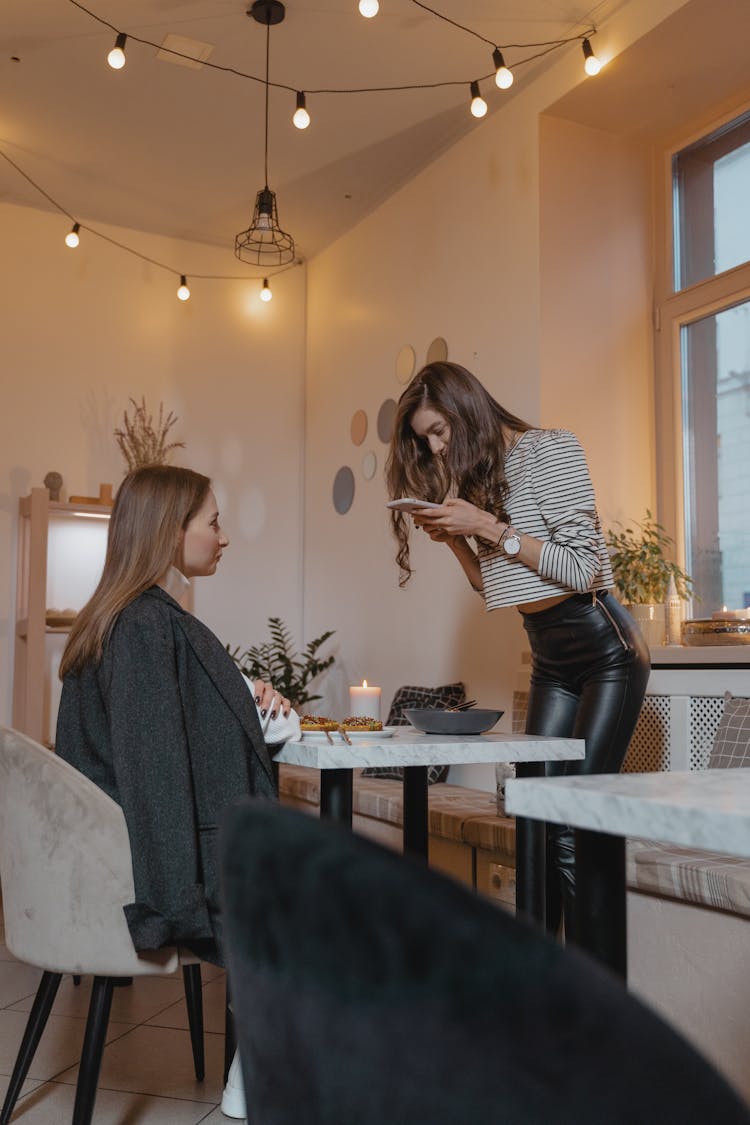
<point x="354" y="735"/>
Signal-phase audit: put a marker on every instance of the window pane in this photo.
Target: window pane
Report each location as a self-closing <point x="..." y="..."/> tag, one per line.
<point x="711" y="187"/>
<point x="716" y="429"/>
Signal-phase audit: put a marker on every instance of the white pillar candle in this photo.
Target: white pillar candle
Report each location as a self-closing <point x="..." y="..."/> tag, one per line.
<point x="364" y="701"/>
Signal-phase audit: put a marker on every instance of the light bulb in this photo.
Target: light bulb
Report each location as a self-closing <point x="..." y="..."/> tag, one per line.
<point x="183" y="292"/>
<point x="71" y="238"/>
<point x="591" y="63"/>
<point x="478" y="104"/>
<point x="265" y="293"/>
<point x="116" y="57"/>
<point x="301" y="117"/>
<point x="264" y="221"/>
<point x="368" y="8"/>
<point x="503" y="75"/>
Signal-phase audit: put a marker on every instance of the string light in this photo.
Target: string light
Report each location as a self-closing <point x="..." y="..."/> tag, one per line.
<point x="71" y="238"/>
<point x="503" y="76"/>
<point x="369" y="8"/>
<point x="265" y="293"/>
<point x="116" y="57"/>
<point x="591" y="63"/>
<point x="183" y="292"/>
<point x="301" y="118"/>
<point x="478" y="104"/>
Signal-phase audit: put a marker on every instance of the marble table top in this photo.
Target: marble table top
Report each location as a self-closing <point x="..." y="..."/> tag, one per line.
<point x="704" y="809"/>
<point x="410" y="748"/>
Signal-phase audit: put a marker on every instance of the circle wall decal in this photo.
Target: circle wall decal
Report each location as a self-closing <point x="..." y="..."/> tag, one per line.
<point x="369" y="465"/>
<point x="386" y="418"/>
<point x="359" y="427"/>
<point x="343" y="490"/>
<point x="437" y="351"/>
<point x="406" y="361"/>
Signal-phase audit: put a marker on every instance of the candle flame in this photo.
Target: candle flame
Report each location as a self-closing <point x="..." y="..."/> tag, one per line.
<point x="723" y="609"/>
<point x="364" y="682"/>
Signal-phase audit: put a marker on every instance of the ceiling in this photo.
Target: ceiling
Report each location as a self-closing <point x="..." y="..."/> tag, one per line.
<point x="178" y="150"/>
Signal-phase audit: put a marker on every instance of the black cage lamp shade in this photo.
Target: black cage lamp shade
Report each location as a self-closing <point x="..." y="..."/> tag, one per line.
<point x="264" y="243"/>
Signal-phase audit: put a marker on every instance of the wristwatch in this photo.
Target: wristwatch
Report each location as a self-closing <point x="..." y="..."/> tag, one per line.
<point x="511" y="542"/>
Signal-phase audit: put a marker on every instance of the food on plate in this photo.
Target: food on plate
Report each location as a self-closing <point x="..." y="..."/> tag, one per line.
<point x="361" y="722"/>
<point x="317" y="722"/>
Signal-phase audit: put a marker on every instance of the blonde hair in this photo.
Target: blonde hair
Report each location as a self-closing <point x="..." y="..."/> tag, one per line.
<point x="154" y="505"/>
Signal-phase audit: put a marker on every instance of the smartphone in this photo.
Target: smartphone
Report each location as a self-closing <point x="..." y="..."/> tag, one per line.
<point x="408" y="504"/>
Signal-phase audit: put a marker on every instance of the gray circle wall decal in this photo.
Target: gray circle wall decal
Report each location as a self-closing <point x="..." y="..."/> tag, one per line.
<point x="369" y="465"/>
<point x="406" y="361"/>
<point x="343" y="490"/>
<point x="359" y="427"/>
<point x="437" y="351"/>
<point x="386" y="418"/>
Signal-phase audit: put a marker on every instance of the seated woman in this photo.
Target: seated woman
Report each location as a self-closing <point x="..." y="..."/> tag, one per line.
<point x="155" y="712"/>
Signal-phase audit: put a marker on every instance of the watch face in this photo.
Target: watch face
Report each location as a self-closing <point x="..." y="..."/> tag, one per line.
<point x="511" y="544"/>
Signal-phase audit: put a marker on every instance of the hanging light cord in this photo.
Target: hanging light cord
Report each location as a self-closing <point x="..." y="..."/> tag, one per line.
<point x="268" y="56"/>
<point x="550" y="45"/>
<point x="137" y="253"/>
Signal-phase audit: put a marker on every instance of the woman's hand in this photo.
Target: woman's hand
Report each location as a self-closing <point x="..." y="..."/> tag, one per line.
<point x="456" y="518"/>
<point x="270" y="700"/>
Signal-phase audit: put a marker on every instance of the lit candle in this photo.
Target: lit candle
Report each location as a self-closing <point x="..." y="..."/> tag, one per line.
<point x="725" y="614"/>
<point x="364" y="701"/>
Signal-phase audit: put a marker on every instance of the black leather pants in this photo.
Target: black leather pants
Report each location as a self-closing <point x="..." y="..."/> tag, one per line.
<point x="590" y="667"/>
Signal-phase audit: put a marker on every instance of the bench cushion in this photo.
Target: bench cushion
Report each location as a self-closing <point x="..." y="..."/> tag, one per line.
<point x="466" y="816"/>
<point x="731" y="747"/>
<point x="705" y="878"/>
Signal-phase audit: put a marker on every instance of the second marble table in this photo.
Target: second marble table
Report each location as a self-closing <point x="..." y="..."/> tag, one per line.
<point x="704" y="809"/>
<point x="415" y="752"/>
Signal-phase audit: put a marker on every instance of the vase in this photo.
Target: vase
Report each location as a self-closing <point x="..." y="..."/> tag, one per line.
<point x="652" y="621"/>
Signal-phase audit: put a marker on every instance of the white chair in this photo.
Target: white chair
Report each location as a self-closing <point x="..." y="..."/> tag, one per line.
<point x="66" y="873"/>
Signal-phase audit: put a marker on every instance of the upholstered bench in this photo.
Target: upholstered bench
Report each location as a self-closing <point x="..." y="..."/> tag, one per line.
<point x="468" y="840"/>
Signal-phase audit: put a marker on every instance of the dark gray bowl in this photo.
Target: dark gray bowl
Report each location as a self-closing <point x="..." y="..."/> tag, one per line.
<point x="433" y="720"/>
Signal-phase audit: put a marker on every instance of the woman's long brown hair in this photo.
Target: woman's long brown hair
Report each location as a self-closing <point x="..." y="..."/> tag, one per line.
<point x="153" y="506"/>
<point x="473" y="465"/>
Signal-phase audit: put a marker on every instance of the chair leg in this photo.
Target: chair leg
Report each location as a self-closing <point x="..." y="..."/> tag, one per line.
<point x="93" y="1046"/>
<point x="194" y="999"/>
<point x="43" y="1001"/>
<point x="230" y="1037"/>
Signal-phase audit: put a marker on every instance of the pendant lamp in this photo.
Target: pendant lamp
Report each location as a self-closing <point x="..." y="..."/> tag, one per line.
<point x="264" y="243"/>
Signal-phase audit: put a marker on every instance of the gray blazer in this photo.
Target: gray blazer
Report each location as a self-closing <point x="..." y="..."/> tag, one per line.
<point x="166" y="725"/>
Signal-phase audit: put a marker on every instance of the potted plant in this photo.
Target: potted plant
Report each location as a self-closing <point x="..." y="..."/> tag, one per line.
<point x="645" y="577"/>
<point x="277" y="662"/>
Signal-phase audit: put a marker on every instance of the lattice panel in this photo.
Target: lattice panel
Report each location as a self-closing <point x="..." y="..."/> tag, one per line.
<point x="705" y="713"/>
<point x="520" y="707"/>
<point x="649" y="746"/>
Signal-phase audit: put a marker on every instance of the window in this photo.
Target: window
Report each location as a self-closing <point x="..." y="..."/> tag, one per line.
<point x="704" y="357"/>
<point x="715" y="352"/>
<point x="711" y="188"/>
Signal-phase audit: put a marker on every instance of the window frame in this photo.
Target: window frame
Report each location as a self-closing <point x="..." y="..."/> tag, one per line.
<point x="675" y="309"/>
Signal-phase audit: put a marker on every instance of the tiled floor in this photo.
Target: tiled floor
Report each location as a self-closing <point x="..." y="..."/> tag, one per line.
<point x="147" y="1073"/>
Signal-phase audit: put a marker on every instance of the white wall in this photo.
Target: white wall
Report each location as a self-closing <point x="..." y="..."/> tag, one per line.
<point x="84" y="330"/>
<point x="596" y="266"/>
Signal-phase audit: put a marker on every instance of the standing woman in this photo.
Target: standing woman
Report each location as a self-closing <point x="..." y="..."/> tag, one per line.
<point x="525" y="497"/>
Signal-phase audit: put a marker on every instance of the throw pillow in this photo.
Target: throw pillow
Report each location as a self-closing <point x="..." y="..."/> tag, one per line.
<point x="447" y="695"/>
<point x="731" y="746"/>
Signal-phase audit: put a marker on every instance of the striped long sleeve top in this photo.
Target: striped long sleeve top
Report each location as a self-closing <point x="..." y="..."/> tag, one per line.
<point x="550" y="497"/>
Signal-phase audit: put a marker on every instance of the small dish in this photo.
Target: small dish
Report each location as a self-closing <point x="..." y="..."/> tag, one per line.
<point x="432" y="720"/>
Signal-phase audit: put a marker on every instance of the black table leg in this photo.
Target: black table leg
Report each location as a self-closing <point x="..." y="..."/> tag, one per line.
<point x="531" y="857"/>
<point x="336" y="796"/>
<point x="600" y="902"/>
<point x="416" y="831"/>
